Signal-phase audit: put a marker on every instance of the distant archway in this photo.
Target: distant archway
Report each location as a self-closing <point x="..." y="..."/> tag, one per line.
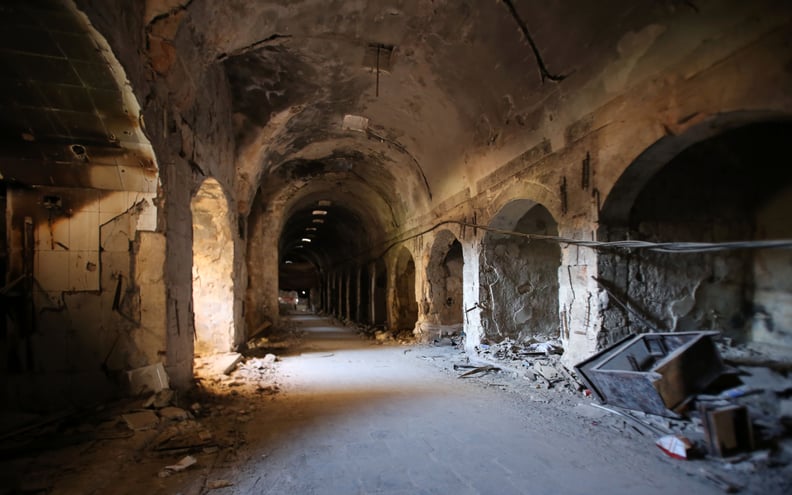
<point x="519" y="276"/>
<point x="213" y="265"/>
<point x="444" y="276"/>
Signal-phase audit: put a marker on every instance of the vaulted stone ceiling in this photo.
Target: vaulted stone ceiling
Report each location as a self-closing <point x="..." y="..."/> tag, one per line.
<point x="457" y="81"/>
<point x="396" y="106"/>
<point x="386" y="109"/>
<point x="67" y="117"/>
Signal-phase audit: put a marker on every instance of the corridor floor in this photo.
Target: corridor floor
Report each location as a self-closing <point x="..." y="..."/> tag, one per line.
<point x="357" y="418"/>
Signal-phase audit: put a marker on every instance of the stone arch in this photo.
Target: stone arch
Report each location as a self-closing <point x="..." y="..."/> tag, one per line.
<point x="213" y="265"/>
<point x="519" y="276"/>
<point x="405" y="305"/>
<point x="721" y="181"/>
<point x="445" y="281"/>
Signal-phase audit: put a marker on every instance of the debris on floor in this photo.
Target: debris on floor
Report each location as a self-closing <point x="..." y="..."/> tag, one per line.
<point x="696" y="394"/>
<point x="215" y="484"/>
<point x="141" y="420"/>
<point x="656" y="373"/>
<point x="478" y="369"/>
<point x="152" y="378"/>
<point x="183" y="464"/>
<point x="675" y="446"/>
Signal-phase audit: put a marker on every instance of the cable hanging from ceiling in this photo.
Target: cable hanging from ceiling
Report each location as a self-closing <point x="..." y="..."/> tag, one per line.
<point x="628" y="245"/>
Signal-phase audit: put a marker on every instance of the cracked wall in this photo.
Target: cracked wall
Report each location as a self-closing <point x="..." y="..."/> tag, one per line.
<point x="93" y="313"/>
<point x="519" y="277"/>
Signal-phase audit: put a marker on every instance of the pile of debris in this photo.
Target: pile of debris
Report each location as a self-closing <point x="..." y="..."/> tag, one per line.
<point x="221" y="372"/>
<point x="537" y="362"/>
<point x="735" y="408"/>
<point x="381" y="335"/>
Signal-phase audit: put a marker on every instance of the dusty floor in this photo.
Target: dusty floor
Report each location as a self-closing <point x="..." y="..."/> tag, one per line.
<point x="338" y="414"/>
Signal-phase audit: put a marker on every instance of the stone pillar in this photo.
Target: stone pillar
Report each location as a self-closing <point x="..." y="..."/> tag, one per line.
<point x="470" y="293"/>
<point x="340" y="285"/>
<point x="372" y="268"/>
<point x="358" y="293"/>
<point x="578" y="303"/>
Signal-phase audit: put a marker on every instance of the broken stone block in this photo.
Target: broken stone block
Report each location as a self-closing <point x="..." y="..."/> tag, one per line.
<point x="142" y="420"/>
<point x="785" y="408"/>
<point x="227" y="362"/>
<point x="214" y="484"/>
<point x="151" y="378"/>
<point x="183" y="464"/>
<point x="160" y="399"/>
<point x="173" y="413"/>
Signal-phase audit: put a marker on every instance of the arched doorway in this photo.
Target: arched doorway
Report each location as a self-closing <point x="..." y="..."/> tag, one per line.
<point x="734" y="186"/>
<point x="405" y="304"/>
<point x="519" y="276"/>
<point x="444" y="276"/>
<point x="213" y="264"/>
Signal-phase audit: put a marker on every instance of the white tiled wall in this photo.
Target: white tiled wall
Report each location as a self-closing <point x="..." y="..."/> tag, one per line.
<point x="67" y="255"/>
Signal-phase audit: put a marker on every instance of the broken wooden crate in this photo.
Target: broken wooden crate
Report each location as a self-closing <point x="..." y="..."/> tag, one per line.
<point x="655" y="372"/>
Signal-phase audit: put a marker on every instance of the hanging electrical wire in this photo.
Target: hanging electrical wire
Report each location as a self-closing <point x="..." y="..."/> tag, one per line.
<point x="626" y="245"/>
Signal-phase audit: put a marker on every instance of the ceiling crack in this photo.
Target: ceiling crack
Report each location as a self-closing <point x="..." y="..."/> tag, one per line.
<point x="544" y="73"/>
<point x="252" y="46"/>
<point x="154" y="20"/>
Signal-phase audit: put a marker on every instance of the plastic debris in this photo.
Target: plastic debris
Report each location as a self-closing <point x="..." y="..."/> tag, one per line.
<point x="675" y="446"/>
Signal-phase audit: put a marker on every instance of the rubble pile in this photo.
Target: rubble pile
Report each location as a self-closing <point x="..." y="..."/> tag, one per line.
<point x="537" y="362"/>
<point x="705" y="398"/>
<point x="239" y="374"/>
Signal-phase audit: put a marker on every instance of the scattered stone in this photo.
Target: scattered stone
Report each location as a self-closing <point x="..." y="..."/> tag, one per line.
<point x="183" y="464"/>
<point x="151" y="378"/>
<point x="173" y="413"/>
<point x="228" y="362"/>
<point x="160" y="399"/>
<point x="142" y="420"/>
<point x="214" y="484"/>
<point x="188" y="434"/>
<point x="267" y="389"/>
<point x="785" y="408"/>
